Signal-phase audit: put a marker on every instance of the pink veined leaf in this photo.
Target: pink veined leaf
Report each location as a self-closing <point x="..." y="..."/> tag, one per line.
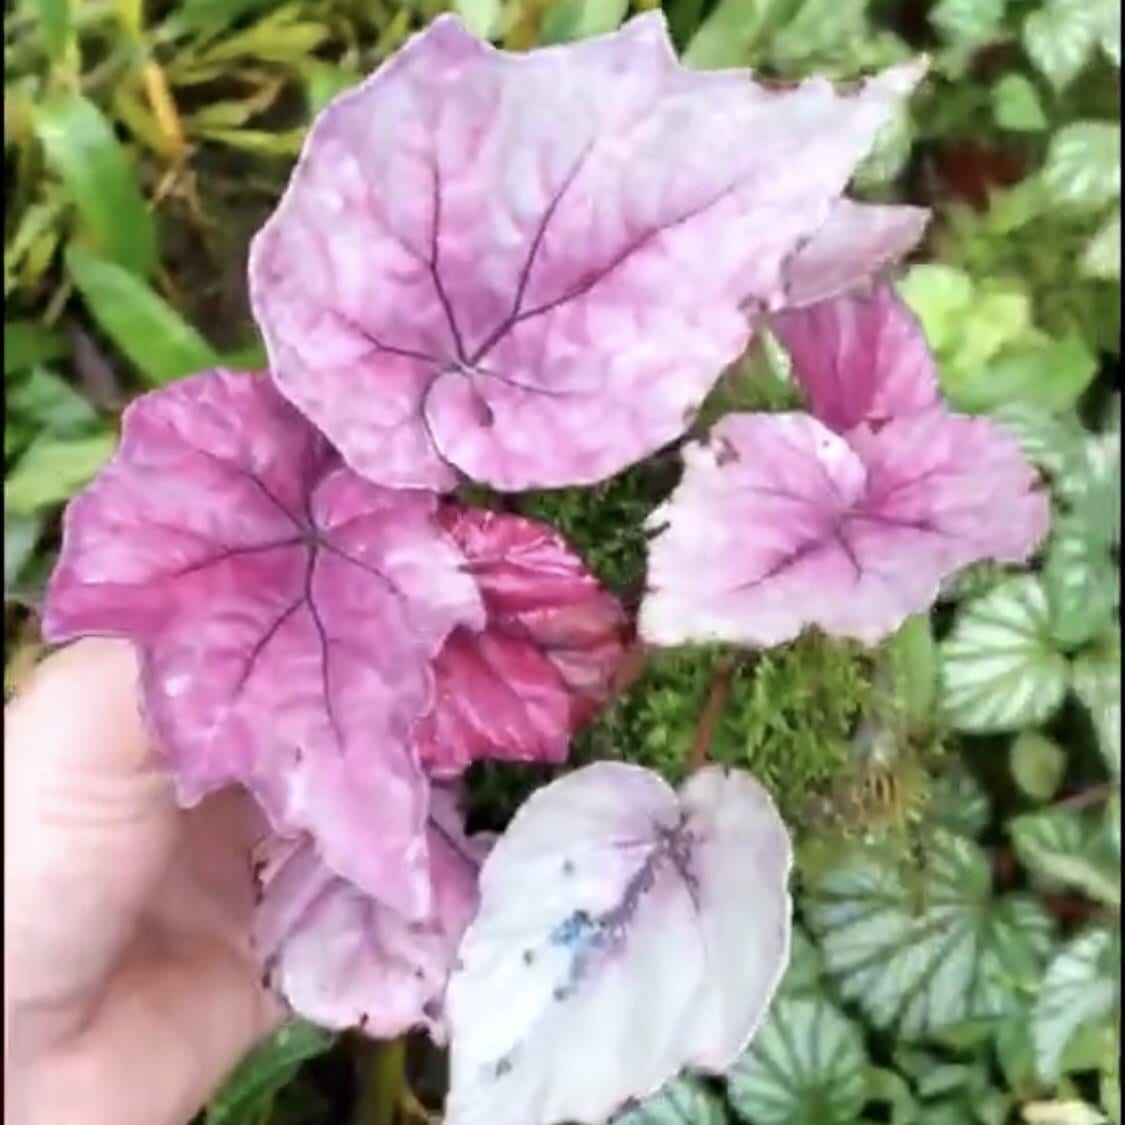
<point x="654" y="939"/>
<point x="848" y="521"/>
<point x="343" y="959"/>
<point x="286" y="612"/>
<point x="855" y="243"/>
<point x="543" y="662"/>
<point x="530" y="269"/>
<point x="860" y="359"/>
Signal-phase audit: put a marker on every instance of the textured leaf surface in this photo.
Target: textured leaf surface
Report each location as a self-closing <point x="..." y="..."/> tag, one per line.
<point x="497" y="250"/>
<point x="285" y="609"/>
<point x="807" y="1066"/>
<point x="1084" y="163"/>
<point x="542" y="664"/>
<point x="1001" y="669"/>
<point x="1096" y="677"/>
<point x="1063" y="846"/>
<point x="924" y="949"/>
<point x="1081" y="985"/>
<point x="653" y="941"/>
<point x="849" y="520"/>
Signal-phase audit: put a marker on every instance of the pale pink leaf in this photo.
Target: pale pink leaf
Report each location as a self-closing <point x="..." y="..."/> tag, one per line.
<point x="860" y="358"/>
<point x="286" y="612"/>
<point x="653" y="939"/>
<point x="543" y="662"/>
<point x="529" y="269"/>
<point x="343" y="959"/>
<point x="855" y="243"/>
<point x="780" y="524"/>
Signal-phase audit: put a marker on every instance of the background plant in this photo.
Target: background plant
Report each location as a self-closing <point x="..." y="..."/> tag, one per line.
<point x="956" y="792"/>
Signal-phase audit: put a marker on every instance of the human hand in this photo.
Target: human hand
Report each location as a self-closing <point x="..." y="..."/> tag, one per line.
<point x="130" y="986"/>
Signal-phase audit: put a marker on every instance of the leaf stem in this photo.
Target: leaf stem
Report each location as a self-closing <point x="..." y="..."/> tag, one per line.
<point x="381" y="1070"/>
<point x="718" y="692"/>
<point x="1086" y="798"/>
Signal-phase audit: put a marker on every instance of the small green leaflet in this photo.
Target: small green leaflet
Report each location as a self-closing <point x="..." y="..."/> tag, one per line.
<point x="1080" y="987"/>
<point x="1063" y="846"/>
<point x="249" y="1091"/>
<point x="806" y="1066"/>
<point x="1096" y="678"/>
<point x="1081" y="580"/>
<point x="912" y="660"/>
<point x="53" y="469"/>
<point x="1102" y="256"/>
<point x="1016" y="105"/>
<point x="1083" y="165"/>
<point x="968" y="21"/>
<point x="1000" y="667"/>
<point x="684" y="1101"/>
<point x="922" y="945"/>
<point x="482" y="17"/>
<point x="1059" y="37"/>
<point x="1037" y="764"/>
<point x="568" y="20"/>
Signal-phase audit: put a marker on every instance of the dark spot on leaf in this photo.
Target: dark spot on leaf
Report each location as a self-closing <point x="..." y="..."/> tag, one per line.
<point x="528" y="956"/>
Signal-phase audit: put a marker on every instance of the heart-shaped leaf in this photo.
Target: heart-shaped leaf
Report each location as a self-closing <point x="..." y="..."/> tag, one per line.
<point x="1083" y="165"/>
<point x="924" y="948"/>
<point x="1059" y="36"/>
<point x="1001" y="669"/>
<point x="807" y="1066"/>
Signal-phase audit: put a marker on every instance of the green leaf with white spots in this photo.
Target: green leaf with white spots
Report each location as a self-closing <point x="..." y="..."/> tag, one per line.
<point x="684" y="1101"/>
<point x="1108" y="20"/>
<point x="1083" y="165"/>
<point x="1050" y="441"/>
<point x="1102" y="256"/>
<point x="1001" y="669"/>
<point x="1081" y="580"/>
<point x="921" y="945"/>
<point x="1064" y="848"/>
<point x="959" y="803"/>
<point x="1096" y="679"/>
<point x="1059" y="37"/>
<point x="1090" y="486"/>
<point x="1080" y="987"/>
<point x="806" y="1066"/>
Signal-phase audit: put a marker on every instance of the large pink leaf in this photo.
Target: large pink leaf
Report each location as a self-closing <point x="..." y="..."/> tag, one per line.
<point x="779" y="524"/>
<point x="652" y="938"/>
<point x="343" y="959"/>
<point x="860" y="359"/>
<point x="286" y="612"/>
<point x="544" y="661"/>
<point x="530" y="269"/>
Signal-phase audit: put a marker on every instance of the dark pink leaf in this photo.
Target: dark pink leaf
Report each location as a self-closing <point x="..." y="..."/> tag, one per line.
<point x="545" y="659"/>
<point x="780" y="524"/>
<point x="860" y="358"/>
<point x="343" y="959"/>
<point x="286" y="612"/>
<point x="530" y="269"/>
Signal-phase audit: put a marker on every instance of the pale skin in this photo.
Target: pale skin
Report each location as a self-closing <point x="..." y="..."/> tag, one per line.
<point x="130" y="985"/>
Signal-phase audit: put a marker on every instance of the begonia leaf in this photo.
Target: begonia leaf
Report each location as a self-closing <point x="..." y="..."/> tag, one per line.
<point x="285" y="609"/>
<point x="542" y="664"/>
<point x="779" y="524"/>
<point x="859" y="359"/>
<point x="848" y="520"/>
<point x="624" y="934"/>
<point x="345" y="960"/>
<point x="486" y="265"/>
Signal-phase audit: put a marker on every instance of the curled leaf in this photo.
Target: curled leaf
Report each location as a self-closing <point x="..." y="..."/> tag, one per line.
<point x="345" y="960"/>
<point x="542" y="664"/>
<point x="456" y="284"/>
<point x="654" y="940"/>
<point x="286" y="612"/>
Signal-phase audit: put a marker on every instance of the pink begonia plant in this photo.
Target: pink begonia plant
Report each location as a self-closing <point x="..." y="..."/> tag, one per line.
<point x="848" y="518"/>
<point x="530" y="269"/>
<point x="286" y="612"/>
<point x="542" y="664"/>
<point x="654" y="940"/>
<point x="345" y="960"/>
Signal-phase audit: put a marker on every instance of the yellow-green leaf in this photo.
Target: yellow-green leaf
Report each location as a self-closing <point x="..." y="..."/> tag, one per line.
<point x="52" y="470"/>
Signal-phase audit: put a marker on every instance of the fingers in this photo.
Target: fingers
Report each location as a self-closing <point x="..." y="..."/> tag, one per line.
<point x="89" y="825"/>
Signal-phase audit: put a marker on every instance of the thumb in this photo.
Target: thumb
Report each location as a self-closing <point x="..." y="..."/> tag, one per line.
<point x="89" y="825"/>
